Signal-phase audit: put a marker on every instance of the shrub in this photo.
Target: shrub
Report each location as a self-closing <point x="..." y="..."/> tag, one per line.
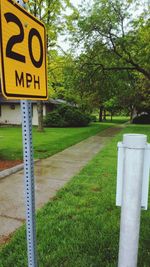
<point x="66" y="116"/>
<point x="53" y="119"/>
<point x="93" y="118"/>
<point x="142" y="119"/>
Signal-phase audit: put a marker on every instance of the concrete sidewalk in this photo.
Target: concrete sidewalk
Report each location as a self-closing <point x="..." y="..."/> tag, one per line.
<point x="51" y="174"/>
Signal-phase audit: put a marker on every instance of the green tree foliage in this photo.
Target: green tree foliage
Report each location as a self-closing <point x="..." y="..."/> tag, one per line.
<point x="115" y="61"/>
<point x="114" y="64"/>
<point x="94" y="87"/>
<point x="111" y="28"/>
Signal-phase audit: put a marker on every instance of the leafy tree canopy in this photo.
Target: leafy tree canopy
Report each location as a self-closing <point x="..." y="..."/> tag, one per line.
<point x="111" y="29"/>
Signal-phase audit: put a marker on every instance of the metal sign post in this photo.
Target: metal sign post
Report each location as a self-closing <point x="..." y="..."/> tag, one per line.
<point x="26" y="110"/>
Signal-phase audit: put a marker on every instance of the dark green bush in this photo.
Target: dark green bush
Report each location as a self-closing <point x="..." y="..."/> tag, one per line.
<point x="66" y="116"/>
<point x="54" y="119"/>
<point x="93" y="118"/>
<point x="142" y="119"/>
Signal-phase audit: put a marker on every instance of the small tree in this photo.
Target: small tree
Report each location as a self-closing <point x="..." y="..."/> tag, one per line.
<point x="112" y="106"/>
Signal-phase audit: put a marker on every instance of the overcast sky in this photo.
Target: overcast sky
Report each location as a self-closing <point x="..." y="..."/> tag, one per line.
<point x="76" y="2"/>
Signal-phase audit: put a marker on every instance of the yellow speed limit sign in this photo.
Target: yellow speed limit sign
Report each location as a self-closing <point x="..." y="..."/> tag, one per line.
<point x="23" y="53"/>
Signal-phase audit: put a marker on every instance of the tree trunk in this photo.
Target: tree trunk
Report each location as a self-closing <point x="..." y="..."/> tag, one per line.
<point x="40" y="116"/>
<point x="111" y="116"/>
<point x="104" y="117"/>
<point x="100" y="114"/>
<point x="133" y="114"/>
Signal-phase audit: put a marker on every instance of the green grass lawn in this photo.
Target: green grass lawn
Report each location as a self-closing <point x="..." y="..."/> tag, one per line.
<point x="51" y="141"/>
<point x="80" y="227"/>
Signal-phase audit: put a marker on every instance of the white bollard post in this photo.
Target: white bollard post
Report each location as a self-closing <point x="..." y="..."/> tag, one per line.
<point x="134" y="149"/>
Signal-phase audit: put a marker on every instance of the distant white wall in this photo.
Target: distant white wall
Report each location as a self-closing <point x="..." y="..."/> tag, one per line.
<point x="11" y="114"/>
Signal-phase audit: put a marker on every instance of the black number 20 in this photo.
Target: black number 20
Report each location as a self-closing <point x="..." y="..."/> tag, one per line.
<point x="15" y="39"/>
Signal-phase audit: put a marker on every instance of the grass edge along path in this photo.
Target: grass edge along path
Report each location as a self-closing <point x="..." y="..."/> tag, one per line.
<point x="45" y="144"/>
<point x="80" y="227"/>
<point x="49" y="142"/>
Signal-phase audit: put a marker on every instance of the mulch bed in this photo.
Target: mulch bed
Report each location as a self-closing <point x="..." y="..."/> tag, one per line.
<point x="6" y="164"/>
